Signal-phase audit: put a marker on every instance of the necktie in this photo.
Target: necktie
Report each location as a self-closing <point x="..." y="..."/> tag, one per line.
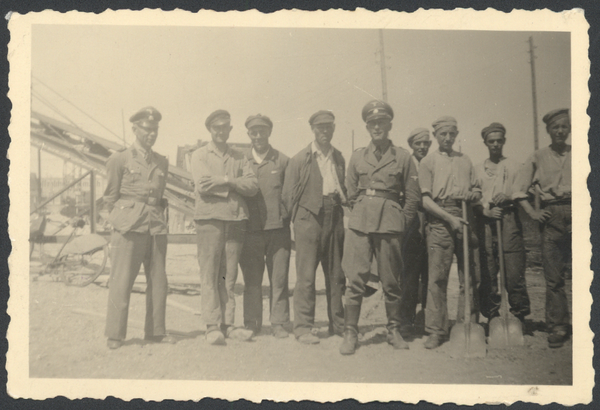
<point x="377" y="154"/>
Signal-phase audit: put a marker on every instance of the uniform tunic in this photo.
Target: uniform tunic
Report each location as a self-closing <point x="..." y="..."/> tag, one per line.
<point x="495" y="179"/>
<point x="552" y="173"/>
<point x="220" y="214"/>
<point x="133" y="194"/>
<point x="268" y="242"/>
<point x="446" y="176"/>
<point x="385" y="196"/>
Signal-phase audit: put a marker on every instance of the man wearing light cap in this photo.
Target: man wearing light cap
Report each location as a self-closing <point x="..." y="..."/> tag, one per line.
<point x="548" y="171"/>
<point x="136" y="179"/>
<point x="414" y="288"/>
<point x="496" y="176"/>
<point x="268" y="241"/>
<point x="446" y="178"/>
<point x="222" y="177"/>
<point x="313" y="193"/>
<point x="383" y="192"/>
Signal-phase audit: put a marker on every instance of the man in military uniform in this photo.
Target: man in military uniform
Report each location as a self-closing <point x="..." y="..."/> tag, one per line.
<point x="446" y="178"/>
<point x="268" y="239"/>
<point x="134" y="197"/>
<point x="496" y="176"/>
<point x="384" y="194"/>
<point x="313" y="192"/>
<point x="414" y="285"/>
<point x="222" y="178"/>
<point x="549" y="170"/>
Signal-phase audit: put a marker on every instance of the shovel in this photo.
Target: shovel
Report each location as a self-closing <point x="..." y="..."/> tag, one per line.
<point x="505" y="330"/>
<point x="467" y="339"/>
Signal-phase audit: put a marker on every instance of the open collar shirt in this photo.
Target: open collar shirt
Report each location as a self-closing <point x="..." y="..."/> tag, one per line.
<point x="331" y="184"/>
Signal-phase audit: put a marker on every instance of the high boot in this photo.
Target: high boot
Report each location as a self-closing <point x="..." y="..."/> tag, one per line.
<point x="351" y="315"/>
<point x="394" y="337"/>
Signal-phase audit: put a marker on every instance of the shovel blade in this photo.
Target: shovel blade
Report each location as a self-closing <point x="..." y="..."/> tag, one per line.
<point x="505" y="332"/>
<point x="467" y="341"/>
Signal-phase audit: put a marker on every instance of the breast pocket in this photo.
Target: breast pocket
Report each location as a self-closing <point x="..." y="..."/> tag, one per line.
<point x="133" y="174"/>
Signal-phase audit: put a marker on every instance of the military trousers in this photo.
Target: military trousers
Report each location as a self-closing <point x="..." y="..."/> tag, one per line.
<point x="514" y="265"/>
<point x="270" y="248"/>
<point x="414" y="281"/>
<point x="556" y="253"/>
<point x="219" y="248"/>
<point x="128" y="251"/>
<point x="443" y="243"/>
<point x="319" y="239"/>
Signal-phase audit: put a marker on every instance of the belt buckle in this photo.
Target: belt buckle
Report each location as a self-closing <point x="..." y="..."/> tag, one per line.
<point x="152" y="201"/>
<point x="370" y="192"/>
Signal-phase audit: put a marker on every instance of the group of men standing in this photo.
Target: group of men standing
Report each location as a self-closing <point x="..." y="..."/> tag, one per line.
<point x="405" y="212"/>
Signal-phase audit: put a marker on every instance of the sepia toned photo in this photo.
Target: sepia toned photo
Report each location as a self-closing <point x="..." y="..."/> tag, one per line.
<point x="301" y="205"/>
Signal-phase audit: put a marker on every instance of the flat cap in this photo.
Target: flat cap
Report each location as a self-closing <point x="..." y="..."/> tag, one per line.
<point x="258" y="119"/>
<point x="218" y="117"/>
<point x="418" y="134"/>
<point x="493" y="127"/>
<point x="321" y="117"/>
<point x="377" y="109"/>
<point x="555" y="115"/>
<point x="445" y="121"/>
<point x="146" y="117"/>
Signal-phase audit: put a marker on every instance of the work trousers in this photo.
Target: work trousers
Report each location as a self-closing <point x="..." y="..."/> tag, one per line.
<point x="514" y="265"/>
<point x="319" y="239"/>
<point x="219" y="248"/>
<point x="414" y="281"/>
<point x="127" y="253"/>
<point x="443" y="243"/>
<point x="556" y="253"/>
<point x="271" y="248"/>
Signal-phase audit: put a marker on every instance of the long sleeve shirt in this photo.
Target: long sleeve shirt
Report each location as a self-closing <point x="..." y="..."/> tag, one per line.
<point x="447" y="176"/>
<point x="224" y="202"/>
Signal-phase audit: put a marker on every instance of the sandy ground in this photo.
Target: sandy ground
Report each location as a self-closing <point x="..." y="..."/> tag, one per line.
<point x="67" y="324"/>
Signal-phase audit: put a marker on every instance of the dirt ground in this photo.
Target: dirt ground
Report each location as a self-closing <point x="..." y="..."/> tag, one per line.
<point x="66" y="340"/>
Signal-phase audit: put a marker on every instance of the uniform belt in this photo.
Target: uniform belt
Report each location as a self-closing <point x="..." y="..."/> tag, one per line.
<point x="146" y="200"/>
<point x="449" y="202"/>
<point x="391" y="195"/>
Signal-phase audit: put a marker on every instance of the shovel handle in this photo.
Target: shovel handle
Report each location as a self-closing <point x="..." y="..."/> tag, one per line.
<point x="502" y="270"/>
<point x="466" y="263"/>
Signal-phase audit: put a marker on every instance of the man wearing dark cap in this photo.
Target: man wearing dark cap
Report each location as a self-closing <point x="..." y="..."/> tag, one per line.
<point x="268" y="241"/>
<point x="446" y="178"/>
<point x="496" y="176"/>
<point x="383" y="191"/>
<point x="548" y="171"/>
<point x="134" y="196"/>
<point x="414" y="289"/>
<point x="313" y="193"/>
<point x="223" y="178"/>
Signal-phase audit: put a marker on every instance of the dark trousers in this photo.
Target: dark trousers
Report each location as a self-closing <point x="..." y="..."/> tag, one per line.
<point x="556" y="253"/>
<point x="219" y="247"/>
<point x="271" y="248"/>
<point x="319" y="239"/>
<point x="127" y="253"/>
<point x="514" y="265"/>
<point x="443" y="243"/>
<point x="414" y="282"/>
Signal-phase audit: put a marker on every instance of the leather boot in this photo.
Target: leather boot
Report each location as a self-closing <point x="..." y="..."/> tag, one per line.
<point x="394" y="337"/>
<point x="350" y="342"/>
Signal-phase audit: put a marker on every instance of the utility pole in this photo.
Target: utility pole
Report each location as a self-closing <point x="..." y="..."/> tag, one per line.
<point x="383" y="74"/>
<point x="534" y="94"/>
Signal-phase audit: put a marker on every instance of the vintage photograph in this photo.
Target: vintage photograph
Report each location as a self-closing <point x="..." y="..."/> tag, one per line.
<point x="301" y="199"/>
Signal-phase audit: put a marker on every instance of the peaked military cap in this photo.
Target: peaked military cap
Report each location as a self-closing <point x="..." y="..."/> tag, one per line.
<point x="445" y="121"/>
<point x="377" y="109"/>
<point x="418" y="134"/>
<point x="258" y="119"/>
<point x="321" y="117"/>
<point x="493" y="127"/>
<point x="555" y="115"/>
<point x="218" y="117"/>
<point x="147" y="117"/>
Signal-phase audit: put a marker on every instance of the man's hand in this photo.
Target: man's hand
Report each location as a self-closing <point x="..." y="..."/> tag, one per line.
<point x="500" y="198"/>
<point x="210" y="182"/>
<point x="540" y="216"/>
<point x="456" y="223"/>
<point x="494" y="213"/>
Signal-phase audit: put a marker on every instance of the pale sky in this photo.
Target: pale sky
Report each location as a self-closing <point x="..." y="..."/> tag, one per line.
<point x="288" y="74"/>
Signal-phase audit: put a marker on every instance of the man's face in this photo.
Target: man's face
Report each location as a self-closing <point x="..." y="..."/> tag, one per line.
<point x="559" y="131"/>
<point x="259" y="136"/>
<point x="220" y="132"/>
<point x="495" y="143"/>
<point x="421" y="148"/>
<point x="446" y="137"/>
<point x="379" y="129"/>
<point x="323" y="133"/>
<point x="146" y="136"/>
